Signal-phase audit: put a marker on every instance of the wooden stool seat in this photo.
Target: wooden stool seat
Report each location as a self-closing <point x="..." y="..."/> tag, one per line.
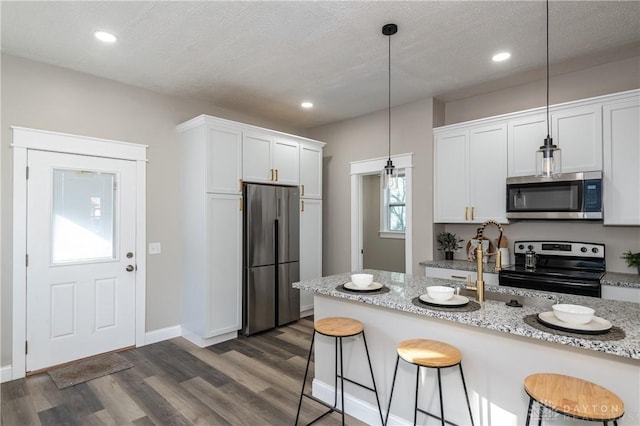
<point x="424" y="353"/>
<point x="574" y="397"/>
<point x="429" y="353"/>
<point x="338" y="326"/>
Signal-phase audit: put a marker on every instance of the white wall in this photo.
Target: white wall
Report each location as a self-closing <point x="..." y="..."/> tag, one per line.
<point x="51" y="98"/>
<point x="364" y="138"/>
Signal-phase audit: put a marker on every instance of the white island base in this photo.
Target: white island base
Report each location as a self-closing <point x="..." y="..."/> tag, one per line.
<point x="495" y="365"/>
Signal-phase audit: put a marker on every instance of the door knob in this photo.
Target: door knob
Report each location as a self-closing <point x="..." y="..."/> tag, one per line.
<point x="129" y="268"/>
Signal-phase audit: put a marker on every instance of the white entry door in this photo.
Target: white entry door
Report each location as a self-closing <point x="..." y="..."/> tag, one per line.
<point x="81" y="231"/>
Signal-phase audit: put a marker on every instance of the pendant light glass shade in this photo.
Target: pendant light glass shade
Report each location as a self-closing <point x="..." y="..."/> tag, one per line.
<point x="548" y="158"/>
<point x="389" y="173"/>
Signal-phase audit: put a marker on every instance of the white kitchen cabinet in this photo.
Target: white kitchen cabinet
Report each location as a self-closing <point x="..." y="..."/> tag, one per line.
<point x="525" y="136"/>
<point x="310" y="246"/>
<point x="223" y="282"/>
<point x="470" y="174"/>
<point x="270" y="159"/>
<point x="217" y="156"/>
<point x="625" y="294"/>
<point x="577" y="130"/>
<point x="621" y="174"/>
<point x="461" y="276"/>
<point x="310" y="170"/>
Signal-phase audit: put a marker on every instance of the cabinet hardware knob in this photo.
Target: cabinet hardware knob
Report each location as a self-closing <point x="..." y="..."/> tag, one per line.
<point x="302" y="204"/>
<point x="473" y="214"/>
<point x="271" y="178"/>
<point x="240" y="185"/>
<point x="276" y="175"/>
<point x="240" y="203"/>
<point x="302" y="190"/>
<point x="466" y="209"/>
<point x="458" y="277"/>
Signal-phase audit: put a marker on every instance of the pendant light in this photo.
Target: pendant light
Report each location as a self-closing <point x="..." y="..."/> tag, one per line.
<point x="389" y="172"/>
<point x="548" y="159"/>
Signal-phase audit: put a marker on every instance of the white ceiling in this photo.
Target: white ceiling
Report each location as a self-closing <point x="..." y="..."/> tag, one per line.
<point x="264" y="58"/>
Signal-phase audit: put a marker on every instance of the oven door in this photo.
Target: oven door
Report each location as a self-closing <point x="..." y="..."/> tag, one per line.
<point x="554" y="284"/>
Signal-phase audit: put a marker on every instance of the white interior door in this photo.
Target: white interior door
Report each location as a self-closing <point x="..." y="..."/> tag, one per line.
<point x="81" y="275"/>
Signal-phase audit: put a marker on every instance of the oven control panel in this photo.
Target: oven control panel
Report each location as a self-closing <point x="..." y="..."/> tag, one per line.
<point x="560" y="248"/>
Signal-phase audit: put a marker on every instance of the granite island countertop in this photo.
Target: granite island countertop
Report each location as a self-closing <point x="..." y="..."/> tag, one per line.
<point x="616" y="279"/>
<point x="493" y="315"/>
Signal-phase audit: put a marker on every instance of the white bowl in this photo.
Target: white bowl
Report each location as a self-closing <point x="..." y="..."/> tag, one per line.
<point x="361" y="280"/>
<point x="573" y="314"/>
<point x="439" y="292"/>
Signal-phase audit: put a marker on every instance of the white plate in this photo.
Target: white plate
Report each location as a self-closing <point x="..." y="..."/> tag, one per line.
<point x="371" y="287"/>
<point x="597" y="324"/>
<point x="456" y="300"/>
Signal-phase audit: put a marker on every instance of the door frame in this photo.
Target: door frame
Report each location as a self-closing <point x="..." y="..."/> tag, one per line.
<point x="25" y="139"/>
<point x="375" y="166"/>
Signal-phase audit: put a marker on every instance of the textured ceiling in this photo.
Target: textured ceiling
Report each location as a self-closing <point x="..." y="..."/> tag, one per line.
<point x="264" y="58"/>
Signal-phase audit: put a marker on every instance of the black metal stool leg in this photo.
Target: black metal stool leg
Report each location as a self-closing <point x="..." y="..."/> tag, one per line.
<point x="393" y="383"/>
<point x="466" y="394"/>
<point x="415" y="406"/>
<point x="540" y="415"/>
<point x="529" y="412"/>
<point x="341" y="382"/>
<point x="373" y="380"/>
<point x="304" y="381"/>
<point x="440" y="394"/>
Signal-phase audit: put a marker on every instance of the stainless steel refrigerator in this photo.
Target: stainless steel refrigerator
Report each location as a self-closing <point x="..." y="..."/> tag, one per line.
<point x="271" y="257"/>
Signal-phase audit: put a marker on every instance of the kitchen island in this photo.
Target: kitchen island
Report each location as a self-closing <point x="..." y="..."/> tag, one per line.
<point x="499" y="350"/>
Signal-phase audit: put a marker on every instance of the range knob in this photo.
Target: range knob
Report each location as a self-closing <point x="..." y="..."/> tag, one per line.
<point x="530" y="247"/>
<point x="595" y="250"/>
<point x="583" y="249"/>
<point x="521" y="246"/>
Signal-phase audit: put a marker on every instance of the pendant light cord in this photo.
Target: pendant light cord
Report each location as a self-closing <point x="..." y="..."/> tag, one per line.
<point x="548" y="125"/>
<point x="389" y="97"/>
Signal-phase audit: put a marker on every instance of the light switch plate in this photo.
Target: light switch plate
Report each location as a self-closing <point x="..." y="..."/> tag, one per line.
<point x="155" y="248"/>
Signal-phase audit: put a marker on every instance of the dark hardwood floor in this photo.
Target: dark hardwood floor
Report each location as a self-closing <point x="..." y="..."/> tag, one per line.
<point x="247" y="381"/>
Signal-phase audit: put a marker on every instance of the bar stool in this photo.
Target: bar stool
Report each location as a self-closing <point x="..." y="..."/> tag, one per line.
<point x="337" y="327"/>
<point x="430" y="354"/>
<point x="572" y="397"/>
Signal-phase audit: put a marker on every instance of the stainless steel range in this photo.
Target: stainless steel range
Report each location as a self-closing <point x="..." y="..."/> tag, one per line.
<point x="558" y="266"/>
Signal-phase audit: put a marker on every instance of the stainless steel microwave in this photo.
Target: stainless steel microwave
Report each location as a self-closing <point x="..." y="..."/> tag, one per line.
<point x="567" y="196"/>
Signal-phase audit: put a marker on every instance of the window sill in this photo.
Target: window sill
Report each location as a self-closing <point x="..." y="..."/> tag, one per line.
<point x="391" y="234"/>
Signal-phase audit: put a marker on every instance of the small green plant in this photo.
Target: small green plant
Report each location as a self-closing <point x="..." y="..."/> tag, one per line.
<point x="448" y="241"/>
<point x="632" y="259"/>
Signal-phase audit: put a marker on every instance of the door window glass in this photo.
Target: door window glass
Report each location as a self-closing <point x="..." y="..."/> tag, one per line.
<point x="83" y="222"/>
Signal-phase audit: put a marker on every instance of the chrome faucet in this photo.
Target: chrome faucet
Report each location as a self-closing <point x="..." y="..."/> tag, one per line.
<point x="479" y="287"/>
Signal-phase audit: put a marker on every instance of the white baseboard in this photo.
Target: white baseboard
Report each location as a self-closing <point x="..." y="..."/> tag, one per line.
<point x="355" y="407"/>
<point x="203" y="342"/>
<point x="161" y="334"/>
<point x="6" y="373"/>
<point x="306" y="311"/>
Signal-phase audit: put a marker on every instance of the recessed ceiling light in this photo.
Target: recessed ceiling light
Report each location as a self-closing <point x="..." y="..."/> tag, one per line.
<point x="502" y="56"/>
<point x="105" y="36"/>
<point x="306" y="105"/>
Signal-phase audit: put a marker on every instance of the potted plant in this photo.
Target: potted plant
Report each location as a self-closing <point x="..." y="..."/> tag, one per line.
<point x="632" y="259"/>
<point x="448" y="243"/>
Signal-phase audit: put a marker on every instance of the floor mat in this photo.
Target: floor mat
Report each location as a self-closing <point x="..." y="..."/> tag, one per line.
<point x="83" y="371"/>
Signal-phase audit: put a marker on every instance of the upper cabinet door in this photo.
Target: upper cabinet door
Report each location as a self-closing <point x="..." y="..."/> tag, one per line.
<point x="224" y="160"/>
<point x="256" y="157"/>
<point x="451" y="170"/>
<point x="310" y="171"/>
<point x="525" y="136"/>
<point x="578" y="133"/>
<point x="286" y="162"/>
<point x="488" y="173"/>
<point x="621" y="175"/>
